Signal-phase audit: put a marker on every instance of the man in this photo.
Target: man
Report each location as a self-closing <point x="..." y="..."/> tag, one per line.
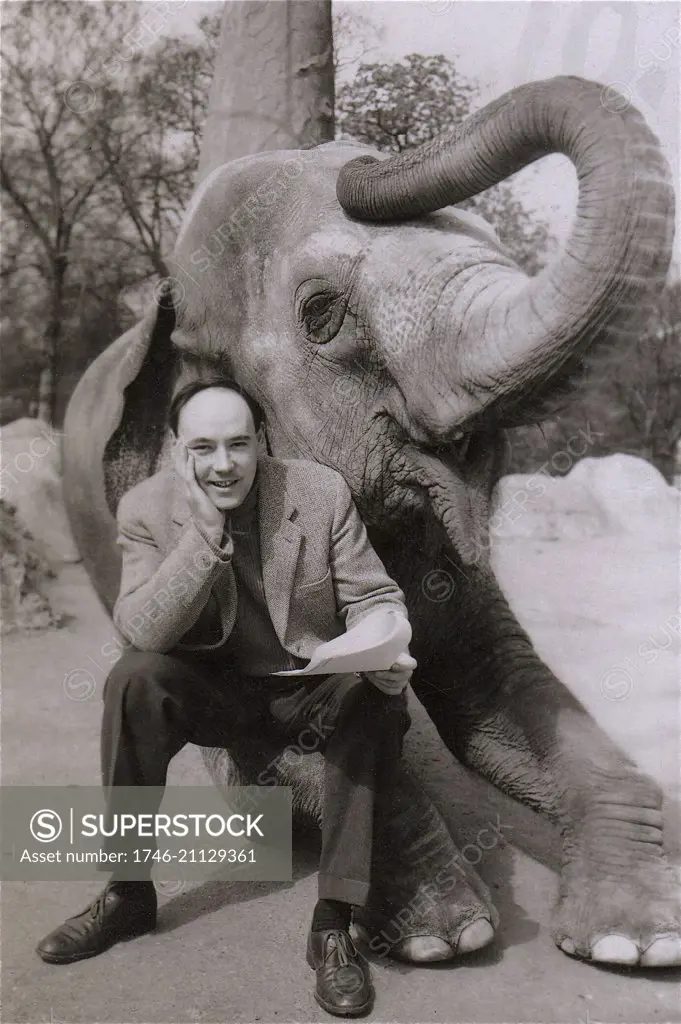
<point x="237" y="565"/>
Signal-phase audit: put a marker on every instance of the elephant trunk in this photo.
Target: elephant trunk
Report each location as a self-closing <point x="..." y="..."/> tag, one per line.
<point x="619" y="247"/>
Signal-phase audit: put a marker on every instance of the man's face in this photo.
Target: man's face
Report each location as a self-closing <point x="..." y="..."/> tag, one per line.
<point x="217" y="428"/>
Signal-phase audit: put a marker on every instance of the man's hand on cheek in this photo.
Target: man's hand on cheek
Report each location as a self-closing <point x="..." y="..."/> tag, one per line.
<point x="210" y="518"/>
<point x="393" y="680"/>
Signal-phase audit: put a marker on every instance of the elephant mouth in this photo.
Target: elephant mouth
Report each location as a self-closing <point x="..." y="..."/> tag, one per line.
<point x="440" y="478"/>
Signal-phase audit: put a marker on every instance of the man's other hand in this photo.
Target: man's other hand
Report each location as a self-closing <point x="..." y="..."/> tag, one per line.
<point x="394" y="679"/>
<point x="205" y="513"/>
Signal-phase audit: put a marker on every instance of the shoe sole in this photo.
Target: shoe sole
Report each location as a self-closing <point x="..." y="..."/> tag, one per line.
<point x="73" y="958"/>
<point x="355" y="1011"/>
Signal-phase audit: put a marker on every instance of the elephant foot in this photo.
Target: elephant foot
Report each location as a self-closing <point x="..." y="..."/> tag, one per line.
<point x="620" y="900"/>
<point x="429" y="949"/>
<point x="426" y="903"/>
<point x="445" y="918"/>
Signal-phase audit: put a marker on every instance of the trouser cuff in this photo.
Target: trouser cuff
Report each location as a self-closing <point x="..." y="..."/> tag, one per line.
<point x="345" y="890"/>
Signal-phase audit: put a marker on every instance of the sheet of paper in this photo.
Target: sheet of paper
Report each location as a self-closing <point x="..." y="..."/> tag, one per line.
<point x="373" y="644"/>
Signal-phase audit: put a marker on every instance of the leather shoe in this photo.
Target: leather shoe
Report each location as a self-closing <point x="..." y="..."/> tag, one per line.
<point x="343" y="978"/>
<point x="119" y="912"/>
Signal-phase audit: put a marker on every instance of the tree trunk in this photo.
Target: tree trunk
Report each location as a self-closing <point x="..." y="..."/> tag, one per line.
<point x="273" y="81"/>
<point x="49" y="375"/>
<point x="46" y="392"/>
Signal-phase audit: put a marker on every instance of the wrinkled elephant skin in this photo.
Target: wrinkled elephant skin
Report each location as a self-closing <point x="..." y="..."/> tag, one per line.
<point x="394" y="340"/>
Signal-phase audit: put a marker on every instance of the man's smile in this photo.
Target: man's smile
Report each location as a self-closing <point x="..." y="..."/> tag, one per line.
<point x="223" y="485"/>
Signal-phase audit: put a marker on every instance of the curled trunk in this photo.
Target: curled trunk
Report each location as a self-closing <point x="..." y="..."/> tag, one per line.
<point x="618" y="250"/>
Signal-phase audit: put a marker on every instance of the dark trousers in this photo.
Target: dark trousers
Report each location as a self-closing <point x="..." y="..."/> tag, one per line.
<point x="156" y="703"/>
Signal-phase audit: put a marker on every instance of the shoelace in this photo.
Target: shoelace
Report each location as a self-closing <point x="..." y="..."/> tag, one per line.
<point x="344" y="946"/>
<point x="97" y="907"/>
<point x="95" y="910"/>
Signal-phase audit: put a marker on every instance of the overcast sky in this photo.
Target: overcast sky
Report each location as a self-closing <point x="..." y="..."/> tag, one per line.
<point x="502" y="43"/>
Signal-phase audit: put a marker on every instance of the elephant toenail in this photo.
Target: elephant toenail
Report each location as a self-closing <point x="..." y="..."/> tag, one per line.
<point x="475" y="936"/>
<point x="615" y="949"/>
<point x="423" y="949"/>
<point x="568" y="946"/>
<point x="664" y="951"/>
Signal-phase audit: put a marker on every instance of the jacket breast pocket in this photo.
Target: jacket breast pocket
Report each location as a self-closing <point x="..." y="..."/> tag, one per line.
<point x="314" y="584"/>
<point x="313" y="608"/>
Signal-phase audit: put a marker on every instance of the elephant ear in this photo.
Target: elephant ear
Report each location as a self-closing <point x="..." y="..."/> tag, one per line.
<point x="115" y="428"/>
<point x="137" y="399"/>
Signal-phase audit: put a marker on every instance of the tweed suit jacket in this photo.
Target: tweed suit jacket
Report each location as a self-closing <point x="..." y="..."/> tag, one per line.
<point x="320" y="574"/>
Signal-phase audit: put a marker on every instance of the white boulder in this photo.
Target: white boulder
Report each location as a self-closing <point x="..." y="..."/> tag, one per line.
<point x="30" y="479"/>
<point x="631" y="494"/>
<point x="614" y="494"/>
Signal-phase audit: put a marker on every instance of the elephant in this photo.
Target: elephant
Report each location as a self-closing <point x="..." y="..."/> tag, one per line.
<point x="390" y="335"/>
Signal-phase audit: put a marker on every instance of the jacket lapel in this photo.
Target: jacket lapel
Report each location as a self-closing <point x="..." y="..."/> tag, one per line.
<point x="279" y="536"/>
<point x="180" y="506"/>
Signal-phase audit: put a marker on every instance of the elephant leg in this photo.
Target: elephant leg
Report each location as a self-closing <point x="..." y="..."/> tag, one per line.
<point x="424" y="905"/>
<point x="508" y="717"/>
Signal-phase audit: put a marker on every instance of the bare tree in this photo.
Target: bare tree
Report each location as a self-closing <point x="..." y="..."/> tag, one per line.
<point x="102" y="122"/>
<point x="46" y="173"/>
<point x="148" y="139"/>
<point x="355" y="36"/>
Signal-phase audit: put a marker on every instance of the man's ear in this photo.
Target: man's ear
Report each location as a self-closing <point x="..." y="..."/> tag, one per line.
<point x="261" y="435"/>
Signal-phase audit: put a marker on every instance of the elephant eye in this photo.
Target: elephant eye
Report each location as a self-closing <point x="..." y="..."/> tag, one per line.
<point x="321" y="316"/>
<point x="457" y="446"/>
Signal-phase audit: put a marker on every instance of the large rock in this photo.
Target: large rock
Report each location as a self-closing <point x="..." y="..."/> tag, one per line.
<point x="615" y="494"/>
<point x="30" y="480"/>
<point x="630" y="493"/>
<point x="24" y="604"/>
